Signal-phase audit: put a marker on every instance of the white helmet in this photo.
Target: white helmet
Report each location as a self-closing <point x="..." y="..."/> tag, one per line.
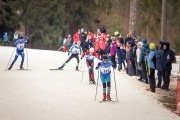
<point x="91" y="50"/>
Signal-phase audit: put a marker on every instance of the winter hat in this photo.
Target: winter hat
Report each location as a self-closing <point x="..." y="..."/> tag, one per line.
<point x="140" y="43"/>
<point x="144" y="41"/>
<point x="91" y="50"/>
<point x="82" y="29"/>
<point x="105" y="58"/>
<point x="152" y="46"/>
<point x="20" y="37"/>
<point x="116" y="33"/>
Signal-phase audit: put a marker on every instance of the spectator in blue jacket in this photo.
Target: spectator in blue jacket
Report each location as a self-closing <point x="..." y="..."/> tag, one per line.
<point x="151" y="60"/>
<point x="5" y="39"/>
<point x="142" y="60"/>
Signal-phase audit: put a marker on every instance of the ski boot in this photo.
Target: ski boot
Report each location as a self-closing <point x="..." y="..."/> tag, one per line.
<point x="109" y="97"/>
<point x="21" y="66"/>
<point x="104" y="97"/>
<point x="10" y="67"/>
<point x="61" y="67"/>
<point x="93" y="82"/>
<point x="77" y="69"/>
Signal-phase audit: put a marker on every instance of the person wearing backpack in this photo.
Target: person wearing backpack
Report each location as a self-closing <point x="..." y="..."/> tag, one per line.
<point x="167" y="59"/>
<point x="151" y="59"/>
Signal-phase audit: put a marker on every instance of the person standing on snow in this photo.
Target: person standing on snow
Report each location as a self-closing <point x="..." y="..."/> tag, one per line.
<point x="5" y="39"/>
<point x="105" y="74"/>
<point x="74" y="51"/>
<point x="113" y="51"/>
<point x="151" y="60"/>
<point x="90" y="55"/>
<point x="83" y="39"/>
<point x="19" y="51"/>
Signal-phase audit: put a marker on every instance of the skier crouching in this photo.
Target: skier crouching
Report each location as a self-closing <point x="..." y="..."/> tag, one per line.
<point x="90" y="55"/>
<point x="19" y="51"/>
<point x="74" y="51"/>
<point x="105" y="75"/>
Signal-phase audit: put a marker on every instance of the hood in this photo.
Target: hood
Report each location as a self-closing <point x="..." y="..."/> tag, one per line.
<point x="167" y="44"/>
<point x="144" y="41"/>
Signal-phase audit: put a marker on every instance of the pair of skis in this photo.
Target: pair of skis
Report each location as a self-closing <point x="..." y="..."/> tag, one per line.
<point x="111" y="101"/>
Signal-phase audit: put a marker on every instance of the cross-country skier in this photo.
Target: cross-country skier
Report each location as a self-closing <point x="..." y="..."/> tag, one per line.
<point x="90" y="55"/>
<point x="105" y="75"/>
<point x="74" y="51"/>
<point x="19" y="51"/>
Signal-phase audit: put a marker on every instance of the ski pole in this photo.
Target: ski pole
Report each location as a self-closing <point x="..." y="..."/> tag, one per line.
<point x="10" y="58"/>
<point x="27" y="57"/>
<point x="82" y="71"/>
<point x="97" y="85"/>
<point x="81" y="64"/>
<point x="115" y="85"/>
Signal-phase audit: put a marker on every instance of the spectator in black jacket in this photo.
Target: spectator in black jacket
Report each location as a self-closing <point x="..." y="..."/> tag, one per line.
<point x="167" y="59"/>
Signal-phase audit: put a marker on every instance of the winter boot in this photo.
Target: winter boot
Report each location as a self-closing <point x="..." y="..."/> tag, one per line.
<point x="10" y="66"/>
<point x="108" y="96"/>
<point x="104" y="97"/>
<point x="21" y="66"/>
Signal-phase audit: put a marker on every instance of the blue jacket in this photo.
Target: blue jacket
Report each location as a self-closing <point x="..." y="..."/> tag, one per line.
<point x="144" y="48"/>
<point x="158" y="60"/>
<point x="105" y="69"/>
<point x="150" y="59"/>
<point x="121" y="53"/>
<point x="5" y="37"/>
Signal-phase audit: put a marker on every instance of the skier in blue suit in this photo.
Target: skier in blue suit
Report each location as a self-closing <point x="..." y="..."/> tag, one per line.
<point x="105" y="75"/>
<point x="20" y="43"/>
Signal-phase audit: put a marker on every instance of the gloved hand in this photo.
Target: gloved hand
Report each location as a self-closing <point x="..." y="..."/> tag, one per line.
<point x="99" y="64"/>
<point x="68" y="53"/>
<point x="89" y="67"/>
<point x="97" y="68"/>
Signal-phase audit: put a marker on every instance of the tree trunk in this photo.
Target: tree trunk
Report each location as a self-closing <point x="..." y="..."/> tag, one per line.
<point x="163" y="20"/>
<point x="133" y="16"/>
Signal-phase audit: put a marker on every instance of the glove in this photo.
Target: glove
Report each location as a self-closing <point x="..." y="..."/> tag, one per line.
<point x="98" y="64"/>
<point x="89" y="67"/>
<point x="68" y="53"/>
<point x="97" y="68"/>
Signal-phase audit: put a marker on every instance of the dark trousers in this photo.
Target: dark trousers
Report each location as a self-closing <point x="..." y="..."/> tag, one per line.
<point x="72" y="56"/>
<point x="152" y="79"/>
<point x="159" y="74"/>
<point x="144" y="72"/>
<point x="113" y="60"/>
<point x="166" y="78"/>
<point x="90" y="65"/>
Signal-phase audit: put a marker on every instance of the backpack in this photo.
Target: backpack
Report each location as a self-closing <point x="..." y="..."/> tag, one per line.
<point x="154" y="60"/>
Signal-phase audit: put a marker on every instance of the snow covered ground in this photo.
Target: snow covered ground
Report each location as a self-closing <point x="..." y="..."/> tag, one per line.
<point x="41" y="94"/>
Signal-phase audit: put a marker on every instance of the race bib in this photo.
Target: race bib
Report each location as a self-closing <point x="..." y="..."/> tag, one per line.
<point x="76" y="50"/>
<point x="105" y="70"/>
<point x="20" y="46"/>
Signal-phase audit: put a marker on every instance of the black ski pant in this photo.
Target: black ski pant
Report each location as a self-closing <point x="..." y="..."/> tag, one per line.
<point x="113" y="60"/>
<point x="144" y="71"/>
<point x="72" y="56"/>
<point x="90" y="65"/>
<point x="166" y="78"/>
<point x="152" y="79"/>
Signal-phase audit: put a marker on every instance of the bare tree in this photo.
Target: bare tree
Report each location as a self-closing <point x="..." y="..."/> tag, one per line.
<point x="133" y="16"/>
<point x="163" y="20"/>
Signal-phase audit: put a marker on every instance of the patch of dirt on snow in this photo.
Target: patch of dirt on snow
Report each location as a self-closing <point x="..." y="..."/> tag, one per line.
<point x="168" y="98"/>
